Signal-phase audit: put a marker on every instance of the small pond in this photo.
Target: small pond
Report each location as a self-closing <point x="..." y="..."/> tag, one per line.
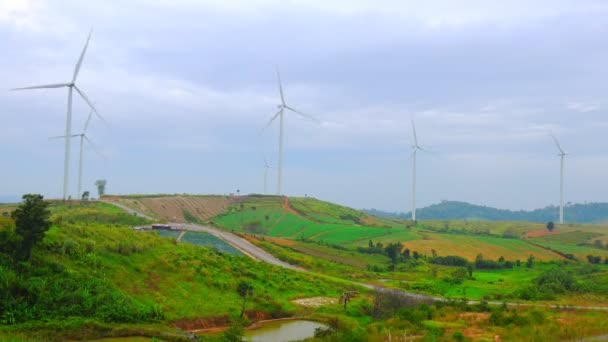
<point x="283" y="331"/>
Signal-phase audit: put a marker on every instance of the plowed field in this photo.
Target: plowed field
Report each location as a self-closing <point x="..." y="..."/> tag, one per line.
<point x="174" y="208"/>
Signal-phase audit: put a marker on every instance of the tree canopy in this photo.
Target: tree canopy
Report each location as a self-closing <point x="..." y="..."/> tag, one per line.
<point x="31" y="222"/>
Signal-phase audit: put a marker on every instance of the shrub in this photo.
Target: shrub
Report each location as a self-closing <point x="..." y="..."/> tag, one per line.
<point x="449" y="260"/>
<point x="458" y="336"/>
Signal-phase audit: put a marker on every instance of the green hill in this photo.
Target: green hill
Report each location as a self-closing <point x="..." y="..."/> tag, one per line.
<point x="454" y="210"/>
<point x="93" y="273"/>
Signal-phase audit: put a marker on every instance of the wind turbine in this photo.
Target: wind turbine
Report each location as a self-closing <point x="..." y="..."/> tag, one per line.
<point x="266" y="167"/>
<point x="68" y="125"/>
<point x="282" y="106"/>
<point x="83" y="136"/>
<point x="415" y="148"/>
<point x="562" y="154"/>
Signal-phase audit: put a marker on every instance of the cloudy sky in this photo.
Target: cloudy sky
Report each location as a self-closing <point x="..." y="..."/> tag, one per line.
<point x="187" y="85"/>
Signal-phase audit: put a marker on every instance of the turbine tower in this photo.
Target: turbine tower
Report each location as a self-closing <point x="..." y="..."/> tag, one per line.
<point x="415" y="148"/>
<point x="266" y="167"/>
<point x="562" y="154"/>
<point x="282" y="106"/>
<point x="83" y="136"/>
<point x="68" y="125"/>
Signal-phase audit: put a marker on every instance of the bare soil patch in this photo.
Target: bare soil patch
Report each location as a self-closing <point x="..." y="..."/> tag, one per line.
<point x="315" y="302"/>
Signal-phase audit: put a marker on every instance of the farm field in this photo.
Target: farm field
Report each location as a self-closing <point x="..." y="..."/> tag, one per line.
<point x="332" y="224"/>
<point x="469" y="246"/>
<point x="179" y="208"/>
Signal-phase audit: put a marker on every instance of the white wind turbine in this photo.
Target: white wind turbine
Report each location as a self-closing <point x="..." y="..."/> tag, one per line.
<point x="562" y="154"/>
<point x="282" y="106"/>
<point x="83" y="136"/>
<point x="266" y="167"/>
<point x="68" y="125"/>
<point x="415" y="148"/>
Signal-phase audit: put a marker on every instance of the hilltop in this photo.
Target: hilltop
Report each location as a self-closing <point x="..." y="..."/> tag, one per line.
<point x="455" y="210"/>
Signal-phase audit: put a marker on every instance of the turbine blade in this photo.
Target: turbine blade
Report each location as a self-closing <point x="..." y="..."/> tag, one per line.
<point x="559" y="147"/>
<point x="271" y="120"/>
<point x="94" y="147"/>
<point x="280" y="87"/>
<point x="303" y="114"/>
<point x="57" y="85"/>
<point x="86" y="99"/>
<point x="79" y="63"/>
<point x="415" y="137"/>
<point x="86" y="124"/>
<point x="58" y="137"/>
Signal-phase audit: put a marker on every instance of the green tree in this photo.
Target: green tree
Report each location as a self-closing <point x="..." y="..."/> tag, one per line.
<point x="31" y="222"/>
<point x="245" y="290"/>
<point x="530" y="261"/>
<point x="85" y="196"/>
<point x="393" y="251"/>
<point x="550" y="226"/>
<point x="101" y="186"/>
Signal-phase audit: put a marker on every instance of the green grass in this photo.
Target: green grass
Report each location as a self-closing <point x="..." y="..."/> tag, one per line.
<point x="569" y="238"/>
<point x="93" y="212"/>
<point x="184" y="281"/>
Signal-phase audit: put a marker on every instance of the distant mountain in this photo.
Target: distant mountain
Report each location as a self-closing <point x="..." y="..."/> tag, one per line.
<point x="454" y="210"/>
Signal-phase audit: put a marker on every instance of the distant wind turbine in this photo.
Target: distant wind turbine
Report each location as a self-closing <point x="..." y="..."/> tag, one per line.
<point x="415" y="148"/>
<point x="266" y="167"/>
<point x="562" y="154"/>
<point x="83" y="136"/>
<point x="282" y="106"/>
<point x="68" y="125"/>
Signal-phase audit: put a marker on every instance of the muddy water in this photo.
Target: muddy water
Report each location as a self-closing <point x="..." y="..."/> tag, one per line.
<point x="283" y="331"/>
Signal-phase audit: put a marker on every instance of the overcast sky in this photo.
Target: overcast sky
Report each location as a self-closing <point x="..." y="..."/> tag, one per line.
<point x="187" y="85"/>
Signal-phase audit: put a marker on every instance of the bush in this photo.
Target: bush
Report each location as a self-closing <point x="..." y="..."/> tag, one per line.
<point x="449" y="260"/>
<point x="458" y="336"/>
<point x="388" y="302"/>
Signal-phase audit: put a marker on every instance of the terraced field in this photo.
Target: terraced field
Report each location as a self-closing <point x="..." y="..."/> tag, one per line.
<point x="178" y="208"/>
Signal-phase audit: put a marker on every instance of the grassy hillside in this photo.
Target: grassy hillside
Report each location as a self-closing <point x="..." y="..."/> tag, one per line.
<point x="93" y="265"/>
<point x="454" y="210"/>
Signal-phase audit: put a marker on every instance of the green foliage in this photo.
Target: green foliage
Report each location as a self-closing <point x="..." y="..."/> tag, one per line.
<point x="101" y="186"/>
<point x="449" y="260"/>
<point x="235" y="332"/>
<point x="91" y="213"/>
<point x="244" y="290"/>
<point x="31" y="223"/>
<point x="189" y="217"/>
